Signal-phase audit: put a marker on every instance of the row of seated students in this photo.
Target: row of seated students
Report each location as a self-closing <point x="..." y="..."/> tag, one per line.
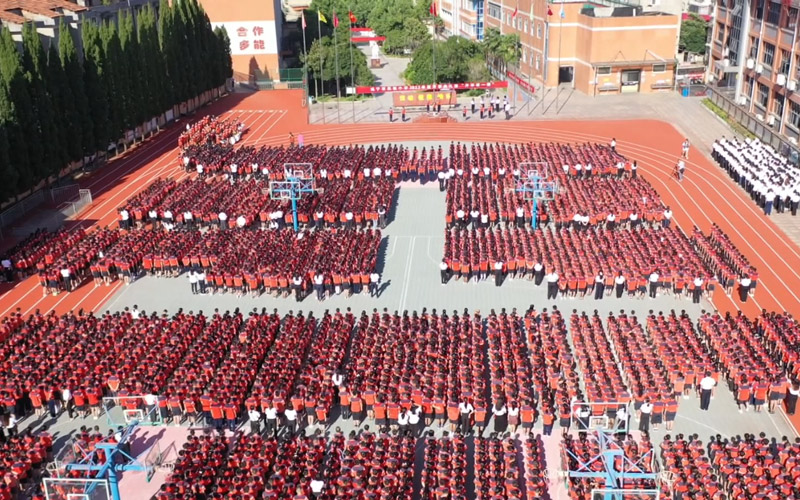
<point x="216" y="203"/>
<point x="220" y="365"/>
<point x="747" y="466"/>
<point x="277" y="262"/>
<point x="210" y="129"/>
<point x="607" y="202"/>
<point x="578" y="257"/>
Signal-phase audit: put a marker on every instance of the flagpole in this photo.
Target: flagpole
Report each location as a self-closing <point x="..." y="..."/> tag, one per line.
<point x="531" y="104"/>
<point x="352" y="68"/>
<point x="338" y="87"/>
<point x="433" y="46"/>
<point x="305" y="52"/>
<point x="558" y="73"/>
<point x="319" y="41"/>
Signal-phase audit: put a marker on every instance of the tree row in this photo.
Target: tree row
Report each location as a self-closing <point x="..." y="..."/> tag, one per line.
<point x="68" y="102"/>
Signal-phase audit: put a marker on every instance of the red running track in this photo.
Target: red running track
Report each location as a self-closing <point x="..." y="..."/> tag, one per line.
<point x="706" y="195"/>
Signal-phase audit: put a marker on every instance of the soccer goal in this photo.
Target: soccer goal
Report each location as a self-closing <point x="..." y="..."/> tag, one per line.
<point x="625" y="494"/>
<point x="75" y="489"/>
<point x="123" y="410"/>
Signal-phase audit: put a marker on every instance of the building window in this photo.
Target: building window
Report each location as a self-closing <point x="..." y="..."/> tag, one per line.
<point x="604" y="70"/>
<point x="753" y="48"/>
<point x="794" y="114"/>
<point x="777" y="105"/>
<point x="526" y="27"/>
<point x="659" y="68"/>
<point x="774" y="12"/>
<point x="760" y="9"/>
<point x="786" y="61"/>
<point x="538" y="30"/>
<point x="763" y="95"/>
<point x="720" y="32"/>
<point x="538" y="61"/>
<point x="769" y="54"/>
<point x="790" y="20"/>
<point x="495" y="11"/>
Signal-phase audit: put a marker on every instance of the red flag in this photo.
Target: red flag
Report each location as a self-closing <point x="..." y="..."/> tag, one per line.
<point x="432" y="10"/>
<point x="335" y="20"/>
<point x="303" y="18"/>
<point x="549" y="11"/>
<point x="353" y="19"/>
<point x="516" y="10"/>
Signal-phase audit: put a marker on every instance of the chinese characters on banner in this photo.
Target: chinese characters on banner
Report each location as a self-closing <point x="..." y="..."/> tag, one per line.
<point x="444" y="97"/>
<point x="439" y="86"/>
<point x="519" y="81"/>
<point x="251" y="37"/>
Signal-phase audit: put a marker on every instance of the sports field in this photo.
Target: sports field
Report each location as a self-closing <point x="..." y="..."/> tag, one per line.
<point x="413" y="242"/>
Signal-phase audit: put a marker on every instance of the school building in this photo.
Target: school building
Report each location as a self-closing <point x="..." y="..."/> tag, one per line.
<point x="755" y="61"/>
<point x="597" y="49"/>
<point x="254" y="27"/>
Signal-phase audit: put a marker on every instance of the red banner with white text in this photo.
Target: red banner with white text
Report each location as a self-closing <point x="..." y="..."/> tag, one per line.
<point x="430" y="87"/>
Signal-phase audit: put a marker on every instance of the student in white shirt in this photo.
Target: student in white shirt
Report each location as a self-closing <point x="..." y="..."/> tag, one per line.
<point x="254" y="416"/>
<point x="271" y="420"/>
<point x="291" y="421"/>
<point x="465" y="411"/>
<point x="374" y="280"/>
<point x="653" y="279"/>
<point x="706" y="388"/>
<point x="645" y="411"/>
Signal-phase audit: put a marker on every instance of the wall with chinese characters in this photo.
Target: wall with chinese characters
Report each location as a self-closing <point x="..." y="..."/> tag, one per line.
<point x="254" y="29"/>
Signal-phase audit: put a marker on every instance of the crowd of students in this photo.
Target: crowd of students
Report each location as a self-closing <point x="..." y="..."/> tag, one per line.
<point x="577" y="454"/>
<point x="571" y="263"/>
<point x="746" y="466"/>
<point x="771" y="179"/>
<point x="291" y="372"/>
<point x="484" y="201"/>
<point x="211" y="130"/>
<point x="216" y="203"/>
<point x="23" y="457"/>
<point x="726" y="262"/>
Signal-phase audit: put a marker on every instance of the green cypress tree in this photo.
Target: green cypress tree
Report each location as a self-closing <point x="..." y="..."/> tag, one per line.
<point x="8" y="168"/>
<point x="94" y="84"/>
<point x="185" y="61"/>
<point x="170" y="50"/>
<point x="34" y="64"/>
<point x="151" y="61"/>
<point x="23" y="133"/>
<point x="81" y="121"/>
<point x="111" y="70"/>
<point x="225" y="61"/>
<point x="63" y="107"/>
<point x="135" y="110"/>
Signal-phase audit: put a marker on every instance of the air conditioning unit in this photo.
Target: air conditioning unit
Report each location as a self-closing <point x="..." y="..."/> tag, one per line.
<point x="791" y="85"/>
<point x="726" y="62"/>
<point x="771" y="120"/>
<point x="743" y="100"/>
<point x="793" y="140"/>
<point x="759" y="68"/>
<point x="760" y="117"/>
<point x="751" y="63"/>
<point x="781" y="79"/>
<point x="711" y="77"/>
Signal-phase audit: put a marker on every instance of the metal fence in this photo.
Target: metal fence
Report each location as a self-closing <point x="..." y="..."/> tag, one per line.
<point x="291" y="75"/>
<point x="753" y="125"/>
<point x="22" y="207"/>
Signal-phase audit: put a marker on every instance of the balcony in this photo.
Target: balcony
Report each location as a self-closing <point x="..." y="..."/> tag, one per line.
<point x="293" y="8"/>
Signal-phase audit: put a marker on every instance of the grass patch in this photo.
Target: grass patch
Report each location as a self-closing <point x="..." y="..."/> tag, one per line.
<point x="733" y="124"/>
